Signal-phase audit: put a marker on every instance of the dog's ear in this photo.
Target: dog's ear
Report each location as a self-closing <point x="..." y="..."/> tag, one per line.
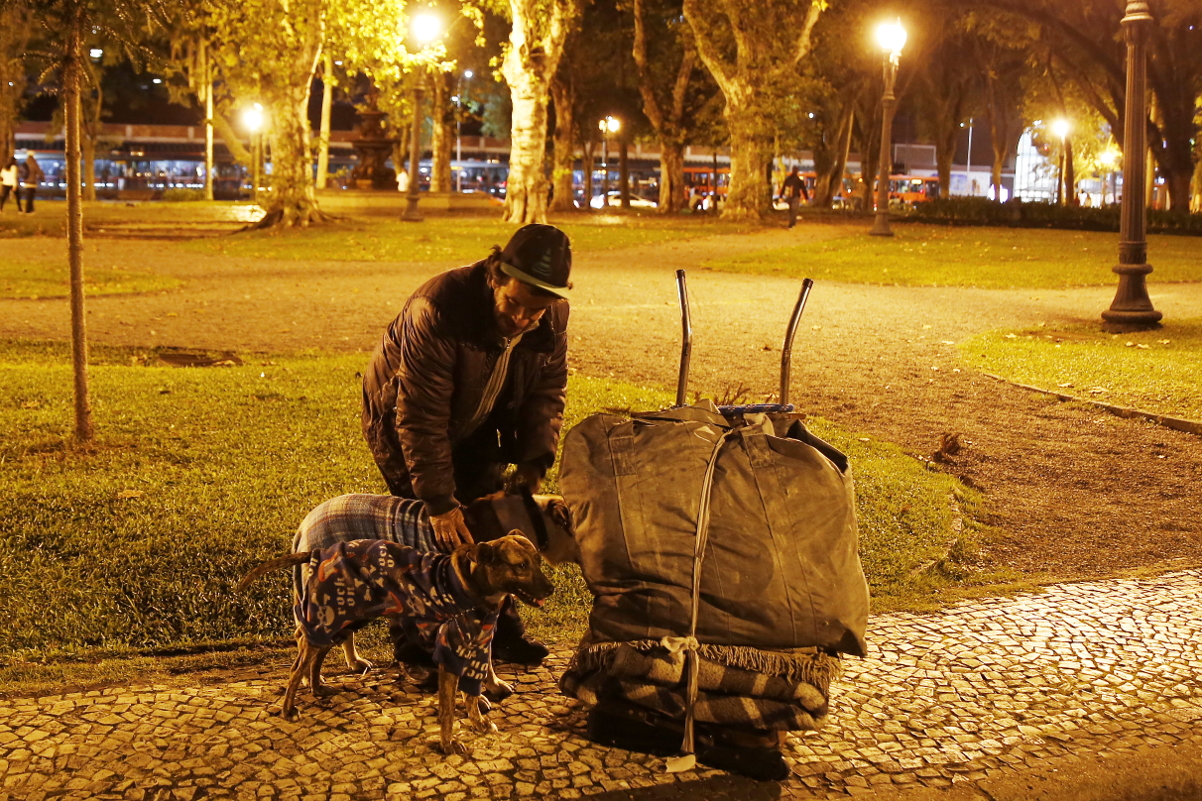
<point x="486" y="553"/>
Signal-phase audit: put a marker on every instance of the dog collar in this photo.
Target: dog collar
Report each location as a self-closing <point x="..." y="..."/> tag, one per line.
<point x="536" y="519"/>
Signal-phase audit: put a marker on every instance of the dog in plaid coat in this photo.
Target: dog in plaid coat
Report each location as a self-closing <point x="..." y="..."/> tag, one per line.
<point x="449" y="601"/>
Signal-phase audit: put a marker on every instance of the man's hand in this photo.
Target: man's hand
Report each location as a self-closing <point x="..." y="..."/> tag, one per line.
<point x="450" y="530"/>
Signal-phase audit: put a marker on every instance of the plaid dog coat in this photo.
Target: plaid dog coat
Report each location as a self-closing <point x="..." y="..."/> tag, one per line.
<point x="362" y="517"/>
<point x="352" y="583"/>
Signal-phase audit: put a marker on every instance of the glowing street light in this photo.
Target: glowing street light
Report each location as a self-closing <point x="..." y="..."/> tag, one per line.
<point x="891" y="37"/>
<point x="252" y="118"/>
<point x="424" y="28"/>
<point x="609" y="125"/>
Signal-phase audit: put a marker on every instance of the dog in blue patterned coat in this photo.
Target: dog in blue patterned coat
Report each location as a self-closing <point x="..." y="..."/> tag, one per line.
<point x="542" y="519"/>
<point x="449" y="602"/>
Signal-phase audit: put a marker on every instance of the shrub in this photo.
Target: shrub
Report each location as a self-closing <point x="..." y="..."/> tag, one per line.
<point x="1019" y="214"/>
<point x="179" y="193"/>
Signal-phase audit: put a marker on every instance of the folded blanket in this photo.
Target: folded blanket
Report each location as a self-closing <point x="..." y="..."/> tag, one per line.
<point x="793" y="698"/>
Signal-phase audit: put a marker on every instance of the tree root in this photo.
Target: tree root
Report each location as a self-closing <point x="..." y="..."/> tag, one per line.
<point x="292" y="218"/>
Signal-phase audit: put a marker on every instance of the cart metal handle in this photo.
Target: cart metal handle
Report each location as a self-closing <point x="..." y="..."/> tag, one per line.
<point x="686" y="346"/>
<point x="786" y="353"/>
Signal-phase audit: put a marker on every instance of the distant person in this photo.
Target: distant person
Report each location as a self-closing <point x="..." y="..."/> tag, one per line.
<point x="793" y="190"/>
<point x="29" y="176"/>
<point x="402" y="181"/>
<point x="8" y="183"/>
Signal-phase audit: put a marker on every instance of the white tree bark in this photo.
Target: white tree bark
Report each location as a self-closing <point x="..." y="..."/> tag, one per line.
<point x="535" y="45"/>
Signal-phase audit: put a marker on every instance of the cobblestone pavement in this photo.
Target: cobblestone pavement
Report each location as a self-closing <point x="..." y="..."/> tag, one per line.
<point x="974" y="693"/>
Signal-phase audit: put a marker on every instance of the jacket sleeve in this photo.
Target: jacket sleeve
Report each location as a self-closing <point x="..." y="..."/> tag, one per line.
<point x="425" y="384"/>
<point x="541" y="415"/>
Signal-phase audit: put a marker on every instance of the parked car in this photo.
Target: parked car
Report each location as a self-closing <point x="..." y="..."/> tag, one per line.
<point x="615" y="199"/>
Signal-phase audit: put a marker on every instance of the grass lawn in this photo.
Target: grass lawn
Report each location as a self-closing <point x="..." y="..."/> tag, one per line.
<point x="992" y="258"/>
<point x="43" y="279"/>
<point x="457" y="239"/>
<point x="1156" y="371"/>
<point x="198" y="474"/>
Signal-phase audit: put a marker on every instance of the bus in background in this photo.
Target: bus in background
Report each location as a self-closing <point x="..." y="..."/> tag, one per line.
<point x="702" y="185"/>
<point x="910" y="190"/>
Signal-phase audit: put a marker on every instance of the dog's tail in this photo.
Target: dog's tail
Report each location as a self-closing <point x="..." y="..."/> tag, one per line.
<point x="291" y="560"/>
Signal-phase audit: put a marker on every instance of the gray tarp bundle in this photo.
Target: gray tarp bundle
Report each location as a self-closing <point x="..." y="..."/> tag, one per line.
<point x="730" y="539"/>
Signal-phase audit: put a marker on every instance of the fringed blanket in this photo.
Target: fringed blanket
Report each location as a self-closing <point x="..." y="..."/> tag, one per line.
<point x="743" y="687"/>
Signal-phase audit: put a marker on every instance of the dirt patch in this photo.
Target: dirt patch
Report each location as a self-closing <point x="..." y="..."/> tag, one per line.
<point x="1072" y="491"/>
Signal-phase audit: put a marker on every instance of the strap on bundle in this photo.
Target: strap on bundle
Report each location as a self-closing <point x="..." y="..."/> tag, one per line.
<point x="689" y="644"/>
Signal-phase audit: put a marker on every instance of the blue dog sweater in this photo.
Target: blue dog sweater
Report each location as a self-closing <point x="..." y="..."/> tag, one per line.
<point x="352" y="583"/>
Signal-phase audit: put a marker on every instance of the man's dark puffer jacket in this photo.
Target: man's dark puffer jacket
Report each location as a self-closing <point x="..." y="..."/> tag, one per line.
<point x="428" y="374"/>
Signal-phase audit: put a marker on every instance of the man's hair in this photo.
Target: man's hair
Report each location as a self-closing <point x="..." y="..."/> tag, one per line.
<point x="497" y="278"/>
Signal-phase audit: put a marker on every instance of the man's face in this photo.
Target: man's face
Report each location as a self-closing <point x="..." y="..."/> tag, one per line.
<point x="517" y="308"/>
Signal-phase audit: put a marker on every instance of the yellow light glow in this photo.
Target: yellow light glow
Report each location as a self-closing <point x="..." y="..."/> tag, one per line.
<point x="610" y="125"/>
<point x="252" y="118"/>
<point x="426" y="27"/>
<point x="1109" y="157"/>
<point x="891" y="36"/>
<point x="1061" y="127"/>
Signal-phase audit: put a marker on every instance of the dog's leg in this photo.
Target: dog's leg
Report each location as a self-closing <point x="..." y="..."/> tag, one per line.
<point x="320" y="688"/>
<point x="304" y="657"/>
<point x="356" y="663"/>
<point x="448" y="689"/>
<point x="498" y="689"/>
<point x="476" y="706"/>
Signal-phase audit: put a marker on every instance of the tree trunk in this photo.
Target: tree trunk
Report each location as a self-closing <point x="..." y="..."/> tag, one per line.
<point x="526" y="189"/>
<point x="563" y="160"/>
<point x="1070" y="175"/>
<point x="400" y="150"/>
<point x="230" y="138"/>
<point x="624" y="174"/>
<point x="84" y="429"/>
<point x="535" y="45"/>
<point x="943" y="167"/>
<point x="91" y="132"/>
<point x="587" y="159"/>
<point x="749" y="196"/>
<point x="442" y="121"/>
<point x="88" y="140"/>
<point x="327" y="103"/>
<point x="291" y="201"/>
<point x="206" y="96"/>
<point x="671" y="177"/>
<point x="831" y="161"/>
<point x="762" y="58"/>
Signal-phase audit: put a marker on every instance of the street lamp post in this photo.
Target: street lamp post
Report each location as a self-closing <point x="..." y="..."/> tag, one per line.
<point x="608" y="125"/>
<point x="467" y="76"/>
<point x="1132" y="309"/>
<point x="891" y="36"/>
<point x="426" y="28"/>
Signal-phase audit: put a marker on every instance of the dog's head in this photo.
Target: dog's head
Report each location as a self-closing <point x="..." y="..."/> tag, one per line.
<point x="512" y="565"/>
<point x="561" y="535"/>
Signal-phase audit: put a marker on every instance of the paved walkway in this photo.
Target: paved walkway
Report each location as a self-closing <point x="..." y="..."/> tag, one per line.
<point x="970" y="696"/>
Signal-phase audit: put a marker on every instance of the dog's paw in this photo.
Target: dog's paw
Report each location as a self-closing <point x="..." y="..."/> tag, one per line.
<point x="484" y="726"/>
<point x="453" y="747"/>
<point x="499" y="691"/>
<point x="361" y="667"/>
<point x="324" y="691"/>
<point x="289" y="713"/>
